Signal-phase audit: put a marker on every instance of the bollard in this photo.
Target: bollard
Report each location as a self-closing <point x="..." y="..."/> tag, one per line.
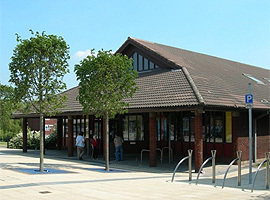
<point x="267" y="172"/>
<point x="189" y="157"/>
<point x="239" y="156"/>
<point x="213" y="152"/>
<point x="267" y="156"/>
<point x="190" y="163"/>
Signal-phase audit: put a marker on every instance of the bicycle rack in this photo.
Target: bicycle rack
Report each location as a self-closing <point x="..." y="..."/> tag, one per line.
<point x="170" y="149"/>
<point x="213" y="158"/>
<point x="189" y="157"/>
<point x="147" y="150"/>
<point x="239" y="155"/>
<point x="267" y="156"/>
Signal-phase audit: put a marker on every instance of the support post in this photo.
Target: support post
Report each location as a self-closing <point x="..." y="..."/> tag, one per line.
<point x="70" y="137"/>
<point x="152" y="140"/>
<point x="198" y="139"/>
<point x="24" y="135"/>
<point x="59" y="132"/>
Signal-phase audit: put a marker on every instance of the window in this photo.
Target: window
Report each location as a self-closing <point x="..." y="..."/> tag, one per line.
<point x="186" y="129"/>
<point x="135" y="61"/>
<point x="97" y="129"/>
<point x="133" y="128"/>
<point x="151" y="65"/>
<point x="145" y="64"/>
<point x="254" y="79"/>
<point x="214" y="127"/>
<point x="141" y="63"/>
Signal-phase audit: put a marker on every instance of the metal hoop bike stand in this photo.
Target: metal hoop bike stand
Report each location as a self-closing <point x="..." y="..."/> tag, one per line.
<point x="213" y="158"/>
<point x="267" y="156"/>
<point x="239" y="155"/>
<point x="189" y="157"/>
<point x="147" y="150"/>
<point x="170" y="151"/>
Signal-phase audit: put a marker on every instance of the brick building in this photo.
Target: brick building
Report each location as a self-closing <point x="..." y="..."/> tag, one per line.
<point x="185" y="100"/>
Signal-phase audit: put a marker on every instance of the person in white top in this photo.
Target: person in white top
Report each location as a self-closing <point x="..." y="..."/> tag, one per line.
<point x="80" y="143"/>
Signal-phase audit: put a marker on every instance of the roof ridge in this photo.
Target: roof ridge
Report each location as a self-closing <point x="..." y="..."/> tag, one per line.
<point x="193" y="86"/>
<point x="138" y="41"/>
<point x="191" y="51"/>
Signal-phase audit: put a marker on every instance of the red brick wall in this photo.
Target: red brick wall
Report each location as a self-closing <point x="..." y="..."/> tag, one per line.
<point x="243" y="145"/>
<point x="50" y="123"/>
<point x="198" y="142"/>
<point x="263" y="146"/>
<point x="152" y="140"/>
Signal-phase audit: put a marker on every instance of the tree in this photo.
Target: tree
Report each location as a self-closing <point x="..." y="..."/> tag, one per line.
<point x="37" y="68"/>
<point x="105" y="80"/>
<point x="8" y="127"/>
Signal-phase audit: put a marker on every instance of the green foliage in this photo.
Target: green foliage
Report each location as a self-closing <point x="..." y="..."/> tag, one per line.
<point x="51" y="141"/>
<point x="8" y="127"/>
<point x="37" y="68"/>
<point x="105" y="81"/>
<point x="33" y="140"/>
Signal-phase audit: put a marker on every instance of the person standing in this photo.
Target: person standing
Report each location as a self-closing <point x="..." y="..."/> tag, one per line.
<point x="118" y="143"/>
<point x="95" y="144"/>
<point x="80" y="143"/>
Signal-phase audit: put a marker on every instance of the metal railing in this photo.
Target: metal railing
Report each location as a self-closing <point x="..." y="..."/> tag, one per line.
<point x="147" y="150"/>
<point x="213" y="158"/>
<point x="189" y="157"/>
<point x="267" y="156"/>
<point x="239" y="155"/>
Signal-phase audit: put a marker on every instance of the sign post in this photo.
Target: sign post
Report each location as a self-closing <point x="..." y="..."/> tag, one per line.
<point x="249" y="105"/>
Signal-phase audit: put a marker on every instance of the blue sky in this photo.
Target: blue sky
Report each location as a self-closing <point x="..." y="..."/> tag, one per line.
<point x="238" y="30"/>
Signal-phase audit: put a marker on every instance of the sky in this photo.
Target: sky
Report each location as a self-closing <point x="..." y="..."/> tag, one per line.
<point x="237" y="30"/>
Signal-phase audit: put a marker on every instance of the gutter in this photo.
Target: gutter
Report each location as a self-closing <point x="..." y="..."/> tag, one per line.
<point x="193" y="86"/>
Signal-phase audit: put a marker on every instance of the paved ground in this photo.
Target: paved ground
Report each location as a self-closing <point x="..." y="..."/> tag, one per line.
<point x="129" y="179"/>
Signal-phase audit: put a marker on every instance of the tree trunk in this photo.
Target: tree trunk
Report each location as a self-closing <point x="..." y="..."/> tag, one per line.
<point x="107" y="168"/>
<point x="41" y="169"/>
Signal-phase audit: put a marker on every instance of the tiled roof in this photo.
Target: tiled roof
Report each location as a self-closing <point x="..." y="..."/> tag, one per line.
<point x="163" y="88"/>
<point x="196" y="79"/>
<point x="220" y="82"/>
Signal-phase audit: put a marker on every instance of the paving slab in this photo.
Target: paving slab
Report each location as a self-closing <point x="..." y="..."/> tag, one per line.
<point x="131" y="179"/>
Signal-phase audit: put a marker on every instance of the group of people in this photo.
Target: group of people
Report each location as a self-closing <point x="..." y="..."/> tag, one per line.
<point x="80" y="144"/>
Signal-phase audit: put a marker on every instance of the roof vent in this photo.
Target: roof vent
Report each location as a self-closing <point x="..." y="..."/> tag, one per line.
<point x="264" y="101"/>
<point x="254" y="79"/>
<point x="176" y="70"/>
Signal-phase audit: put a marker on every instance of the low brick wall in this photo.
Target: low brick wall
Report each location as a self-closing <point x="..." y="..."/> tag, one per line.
<point x="263" y="146"/>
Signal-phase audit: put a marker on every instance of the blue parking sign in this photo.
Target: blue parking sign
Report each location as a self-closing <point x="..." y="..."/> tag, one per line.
<point x="249" y="98"/>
